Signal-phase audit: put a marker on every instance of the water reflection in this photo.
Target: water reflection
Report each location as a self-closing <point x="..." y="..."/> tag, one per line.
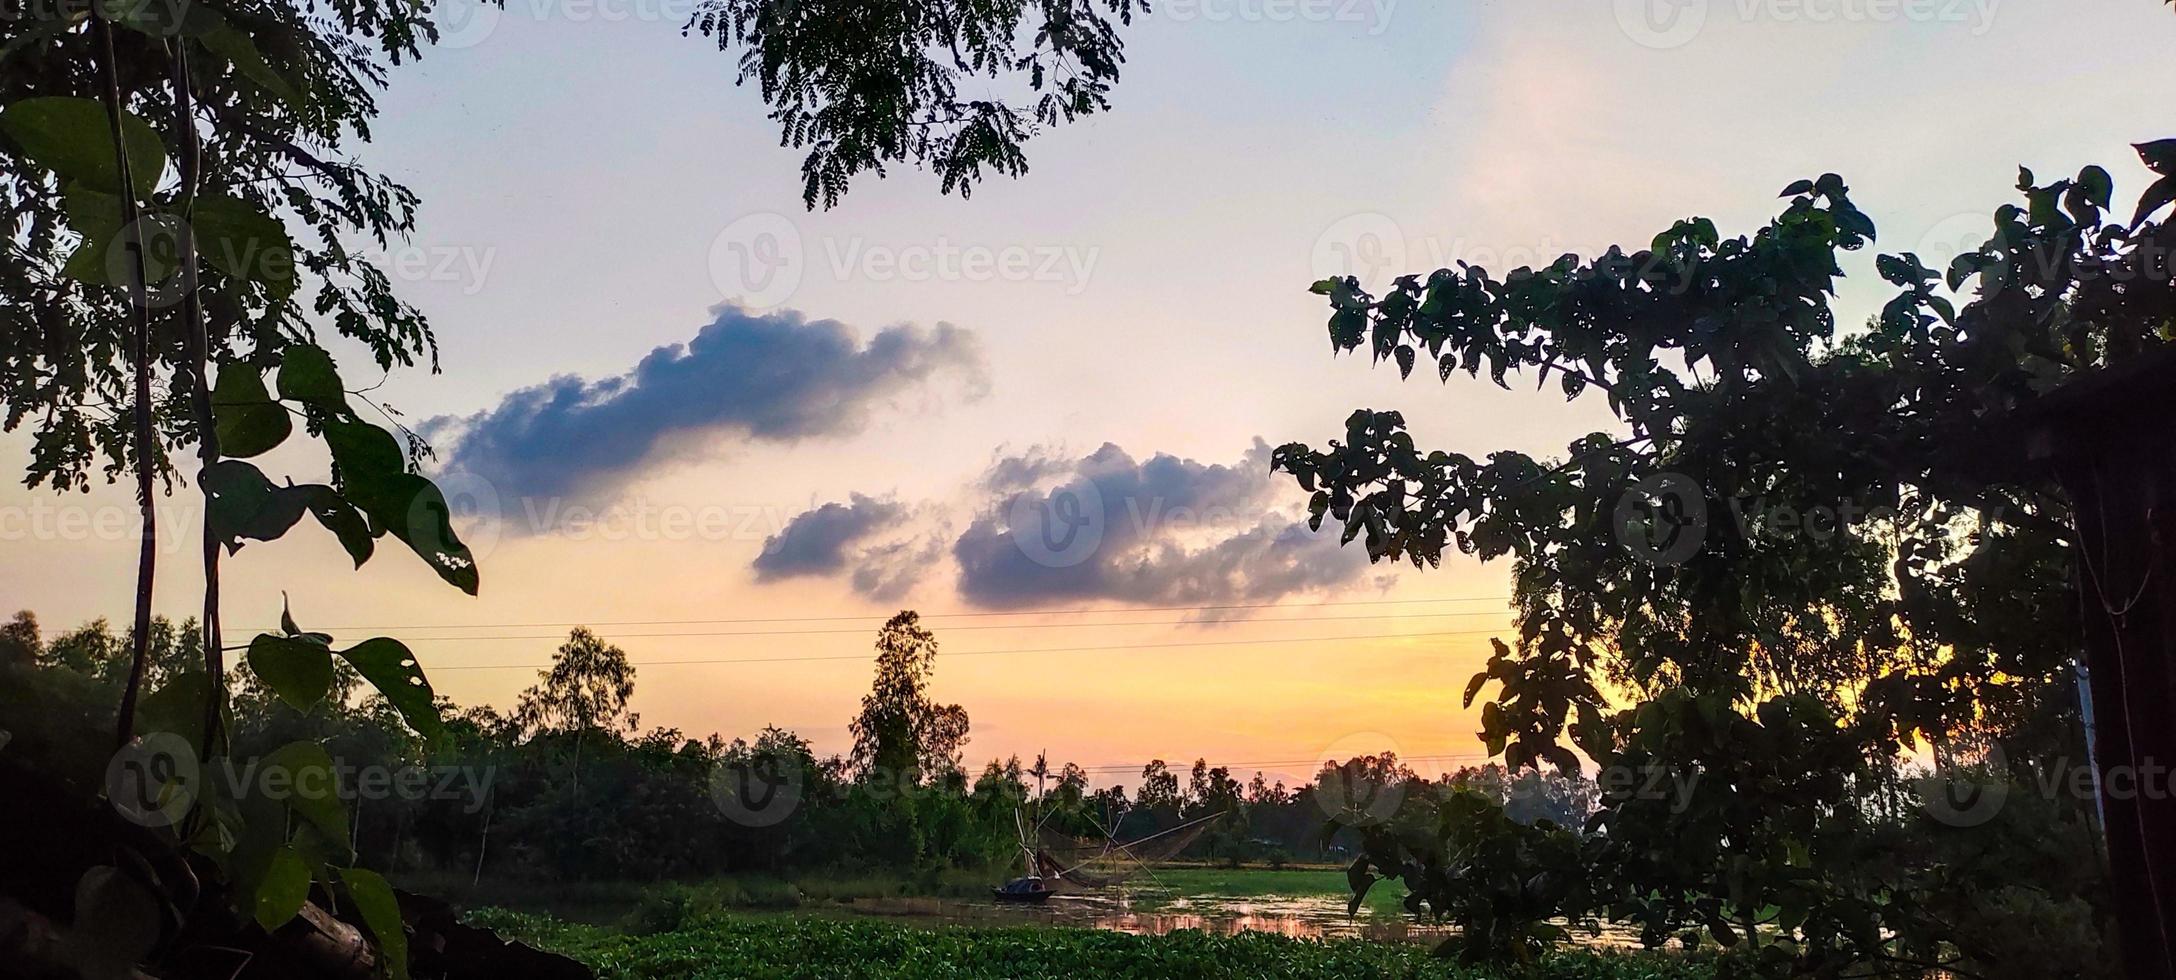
<point x="1296" y="918"/>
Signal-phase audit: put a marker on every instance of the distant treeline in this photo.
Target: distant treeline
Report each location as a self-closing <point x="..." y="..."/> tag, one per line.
<point x="567" y="785"/>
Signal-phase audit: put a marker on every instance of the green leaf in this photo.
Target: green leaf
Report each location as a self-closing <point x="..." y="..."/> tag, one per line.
<point x="307" y="375"/>
<point x="230" y="43"/>
<point x="117" y="923"/>
<point x="42" y="31"/>
<point x="73" y="138"/>
<point x="389" y="666"/>
<point x="380" y="910"/>
<point x="241" y="240"/>
<point x="282" y="890"/>
<point x="398" y="502"/>
<point x="2099" y="188"/>
<point x="368" y="457"/>
<point x="342" y="519"/>
<point x="2159" y="156"/>
<point x="91" y="213"/>
<point x="2154" y="199"/>
<point x="314" y="792"/>
<point x="177" y="707"/>
<point x="163" y="19"/>
<point x="241" y="503"/>
<point x="104" y="256"/>
<point x="1473" y="688"/>
<point x="296" y="669"/>
<point x="1360" y="881"/>
<point x="247" y="420"/>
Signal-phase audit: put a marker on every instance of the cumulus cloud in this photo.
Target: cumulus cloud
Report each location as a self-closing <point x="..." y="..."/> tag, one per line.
<point x="820" y="541"/>
<point x="773" y="377"/>
<point x="868" y="539"/>
<point x="886" y="572"/>
<point x="1166" y="530"/>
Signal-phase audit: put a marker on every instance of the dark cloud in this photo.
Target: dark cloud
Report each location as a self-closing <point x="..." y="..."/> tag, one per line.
<point x="773" y="377"/>
<point x="886" y="572"/>
<point x="1165" y="531"/>
<point x="821" y="541"/>
<point x="1023" y="470"/>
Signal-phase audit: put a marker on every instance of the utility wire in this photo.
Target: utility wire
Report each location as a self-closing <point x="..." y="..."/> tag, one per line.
<point x="1118" y="767"/>
<point x="1001" y="653"/>
<point x="880" y="617"/>
<point x="957" y="629"/>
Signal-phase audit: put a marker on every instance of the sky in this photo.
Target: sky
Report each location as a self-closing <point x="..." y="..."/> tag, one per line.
<point x="675" y="405"/>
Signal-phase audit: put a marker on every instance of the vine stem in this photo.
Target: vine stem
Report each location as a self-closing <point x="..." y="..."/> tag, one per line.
<point x="140" y="352"/>
<point x="190" y="162"/>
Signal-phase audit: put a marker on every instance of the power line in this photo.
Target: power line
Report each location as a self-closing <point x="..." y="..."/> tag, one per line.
<point x="1119" y="767"/>
<point x="956" y="629"/>
<point x="879" y="617"/>
<point x="1002" y="653"/>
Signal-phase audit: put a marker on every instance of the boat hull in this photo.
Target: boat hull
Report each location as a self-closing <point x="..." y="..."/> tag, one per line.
<point x="1024" y="890"/>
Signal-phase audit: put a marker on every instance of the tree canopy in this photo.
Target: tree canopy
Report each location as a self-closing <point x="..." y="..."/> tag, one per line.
<point x="1678" y="613"/>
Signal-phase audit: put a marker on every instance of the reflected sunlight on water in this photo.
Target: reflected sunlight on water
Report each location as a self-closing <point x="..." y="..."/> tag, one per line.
<point x="1296" y="918"/>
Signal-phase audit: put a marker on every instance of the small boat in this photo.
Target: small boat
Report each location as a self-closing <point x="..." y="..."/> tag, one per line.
<point x="1029" y="889"/>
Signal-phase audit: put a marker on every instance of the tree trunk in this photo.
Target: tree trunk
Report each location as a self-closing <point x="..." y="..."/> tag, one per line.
<point x="2107" y="438"/>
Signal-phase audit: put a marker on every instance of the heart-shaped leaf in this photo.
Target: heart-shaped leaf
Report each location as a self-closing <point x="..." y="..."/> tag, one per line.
<point x="282" y="891"/>
<point x="312" y="787"/>
<point x="74" y="138"/>
<point x="389" y="666"/>
<point x="241" y="240"/>
<point x="307" y="375"/>
<point x="299" y="670"/>
<point x="380" y="910"/>
<point x="248" y="421"/>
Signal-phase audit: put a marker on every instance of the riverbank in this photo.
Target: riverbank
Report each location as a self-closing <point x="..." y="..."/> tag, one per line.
<point x="785" y="947"/>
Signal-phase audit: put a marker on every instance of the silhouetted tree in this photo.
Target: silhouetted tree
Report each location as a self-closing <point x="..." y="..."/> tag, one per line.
<point x="19" y="642"/>
<point x="899" y="731"/>
<point x="586" y="689"/>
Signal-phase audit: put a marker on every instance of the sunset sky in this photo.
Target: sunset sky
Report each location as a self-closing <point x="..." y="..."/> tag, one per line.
<point x="797" y="423"/>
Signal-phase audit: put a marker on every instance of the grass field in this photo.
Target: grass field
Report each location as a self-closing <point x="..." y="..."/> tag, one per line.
<point x="779" y="947"/>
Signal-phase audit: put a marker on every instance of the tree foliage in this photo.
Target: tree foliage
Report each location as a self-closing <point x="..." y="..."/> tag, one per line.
<point x="865" y="84"/>
<point x="900" y="732"/>
<point x="586" y="689"/>
<point x="1784" y="666"/>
